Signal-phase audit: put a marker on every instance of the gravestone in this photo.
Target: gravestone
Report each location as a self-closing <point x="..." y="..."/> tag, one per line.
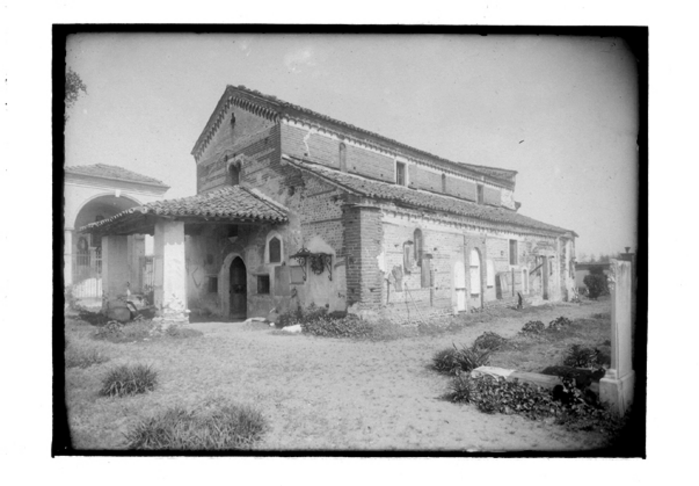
<point x="617" y="386"/>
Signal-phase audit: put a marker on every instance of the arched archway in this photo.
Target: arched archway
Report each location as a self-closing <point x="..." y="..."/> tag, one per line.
<point x="232" y="287"/>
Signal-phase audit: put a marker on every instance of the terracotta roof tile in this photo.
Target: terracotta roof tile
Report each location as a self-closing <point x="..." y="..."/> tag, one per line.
<point x="112" y="172"/>
<point x="233" y="203"/>
<point x="422" y="199"/>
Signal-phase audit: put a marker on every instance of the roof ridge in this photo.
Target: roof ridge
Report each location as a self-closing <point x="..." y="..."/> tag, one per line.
<point x="285" y="105"/>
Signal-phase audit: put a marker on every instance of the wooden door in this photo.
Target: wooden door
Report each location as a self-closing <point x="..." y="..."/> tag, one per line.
<point x="238" y="289"/>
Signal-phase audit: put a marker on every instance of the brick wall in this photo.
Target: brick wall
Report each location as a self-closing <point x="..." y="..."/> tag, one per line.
<point x="460" y="188"/>
<point x="421" y="178"/>
<point x="362" y="236"/>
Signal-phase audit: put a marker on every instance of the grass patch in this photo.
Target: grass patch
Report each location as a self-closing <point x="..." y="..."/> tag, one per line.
<point x="83" y="357"/>
<point x="129" y="380"/>
<point x="143" y="330"/>
<point x="227" y="427"/>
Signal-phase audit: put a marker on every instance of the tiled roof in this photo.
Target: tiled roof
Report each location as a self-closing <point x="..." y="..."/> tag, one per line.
<point x="230" y="202"/>
<point x="416" y="198"/>
<point x="289" y="109"/>
<point x="113" y="172"/>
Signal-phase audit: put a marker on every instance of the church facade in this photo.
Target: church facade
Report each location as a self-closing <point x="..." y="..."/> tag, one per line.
<point x="296" y="208"/>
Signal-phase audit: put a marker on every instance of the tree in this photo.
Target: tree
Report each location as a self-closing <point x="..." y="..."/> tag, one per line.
<point x="74" y="85"/>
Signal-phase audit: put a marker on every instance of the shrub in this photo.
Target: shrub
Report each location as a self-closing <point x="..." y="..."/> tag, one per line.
<point x="455" y="361"/>
<point x="582" y="357"/>
<point x="533" y="327"/>
<point x="300" y="315"/>
<point x="497" y="395"/>
<point x="129" y="380"/>
<point x="83" y="358"/>
<point x="348" y="326"/>
<point x="596" y="284"/>
<point x="225" y="428"/>
<point x="559" y="323"/>
<point x="489" y="340"/>
<point x="117" y="332"/>
<point x="94" y="318"/>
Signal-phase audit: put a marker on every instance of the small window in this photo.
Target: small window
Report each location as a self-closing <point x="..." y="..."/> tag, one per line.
<point x="275" y="250"/>
<point x="212" y="286"/>
<point x="490" y="276"/>
<point x="263" y="284"/>
<point x="233" y="231"/>
<point x="480" y="193"/>
<point x="408" y="256"/>
<point x="343" y="157"/>
<point x="513" y="252"/>
<point x="400" y="174"/>
<point x="417" y="240"/>
<point x="234" y="175"/>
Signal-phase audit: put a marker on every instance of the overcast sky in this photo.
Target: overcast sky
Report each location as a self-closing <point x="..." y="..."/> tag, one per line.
<point x="562" y="111"/>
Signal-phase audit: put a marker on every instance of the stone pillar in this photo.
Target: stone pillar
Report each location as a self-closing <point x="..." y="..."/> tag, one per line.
<point x="115" y="269"/>
<point x="170" y="272"/>
<point x="68" y="257"/>
<point x="616" y="388"/>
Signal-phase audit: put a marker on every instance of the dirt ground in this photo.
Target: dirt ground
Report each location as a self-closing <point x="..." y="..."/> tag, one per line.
<point x="318" y="393"/>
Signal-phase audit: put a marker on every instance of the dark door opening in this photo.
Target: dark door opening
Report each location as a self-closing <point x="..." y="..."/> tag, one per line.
<point x="238" y="289"/>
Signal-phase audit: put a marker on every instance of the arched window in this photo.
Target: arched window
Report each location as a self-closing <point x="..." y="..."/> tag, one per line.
<point x="275" y="250"/>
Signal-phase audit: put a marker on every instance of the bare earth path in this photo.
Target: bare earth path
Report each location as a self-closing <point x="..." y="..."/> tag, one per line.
<point x="319" y="393"/>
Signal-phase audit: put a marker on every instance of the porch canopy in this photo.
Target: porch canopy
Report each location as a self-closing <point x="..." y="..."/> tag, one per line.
<point x="168" y="221"/>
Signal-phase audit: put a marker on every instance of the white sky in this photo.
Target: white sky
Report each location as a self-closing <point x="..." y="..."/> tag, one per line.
<point x="561" y="111"/>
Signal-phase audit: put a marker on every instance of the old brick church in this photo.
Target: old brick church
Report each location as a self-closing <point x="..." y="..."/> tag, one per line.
<point x="294" y="207"/>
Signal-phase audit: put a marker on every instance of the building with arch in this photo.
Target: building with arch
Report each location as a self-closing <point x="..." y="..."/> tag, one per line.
<point x="296" y="208"/>
<point x="93" y="193"/>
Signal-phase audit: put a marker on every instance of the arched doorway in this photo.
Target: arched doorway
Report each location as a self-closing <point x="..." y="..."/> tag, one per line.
<point x="238" y="289"/>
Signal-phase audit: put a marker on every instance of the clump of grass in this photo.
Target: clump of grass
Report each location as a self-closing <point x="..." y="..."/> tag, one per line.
<point x="179" y="332"/>
<point x="129" y="380"/>
<point x="559" y="324"/>
<point x="83" y="357"/>
<point x="455" y="360"/>
<point x="226" y="427"/>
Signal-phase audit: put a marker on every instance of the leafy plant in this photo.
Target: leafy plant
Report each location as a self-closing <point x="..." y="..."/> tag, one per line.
<point x="559" y="323"/>
<point x="226" y="427"/>
<point x="533" y="327"/>
<point x="489" y="340"/>
<point x="579" y="356"/>
<point x="129" y="380"/>
<point x="455" y="360"/>
<point x="597" y="284"/>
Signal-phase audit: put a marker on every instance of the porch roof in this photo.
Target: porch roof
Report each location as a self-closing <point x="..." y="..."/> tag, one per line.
<point x="232" y="204"/>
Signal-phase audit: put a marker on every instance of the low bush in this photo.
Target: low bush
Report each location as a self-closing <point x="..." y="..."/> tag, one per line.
<point x="227" y="427"/>
<point x="345" y="327"/>
<point x="454" y="361"/>
<point x="559" y="323"/>
<point x="533" y="328"/>
<point x="566" y="407"/>
<point x="597" y="284"/>
<point x="83" y="357"/>
<point x="579" y="356"/>
<point x="489" y="340"/>
<point x="129" y="380"/>
<point x="302" y="315"/>
<point x="94" y="318"/>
